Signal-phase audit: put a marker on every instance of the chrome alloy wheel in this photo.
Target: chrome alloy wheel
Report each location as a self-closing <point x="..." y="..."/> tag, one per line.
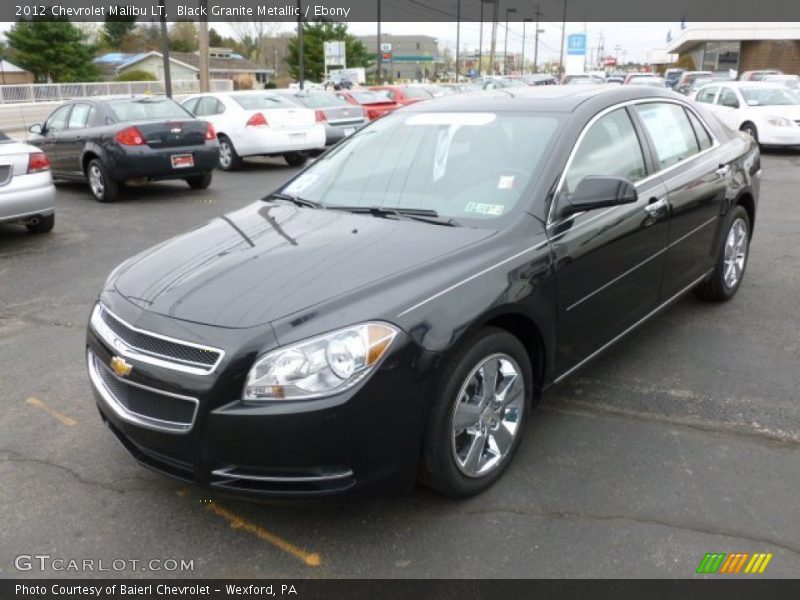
<point x="96" y="181"/>
<point x="225" y="154"/>
<point x="487" y="415"/>
<point x="735" y="253"/>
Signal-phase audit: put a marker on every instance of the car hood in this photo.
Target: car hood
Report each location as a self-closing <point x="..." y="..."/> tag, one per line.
<point x="790" y="111"/>
<point x="269" y="260"/>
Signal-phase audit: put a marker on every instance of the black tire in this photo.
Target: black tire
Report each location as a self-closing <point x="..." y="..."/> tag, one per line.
<point x="229" y="160"/>
<point x="108" y="190"/>
<point x="750" y="129"/>
<point x="717" y="288"/>
<point x="295" y="159"/>
<point x="44" y="225"/>
<point x="438" y="466"/>
<point x="200" y="182"/>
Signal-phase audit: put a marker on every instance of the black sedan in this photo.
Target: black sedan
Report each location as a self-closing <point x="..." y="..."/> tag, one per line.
<point x="110" y="141"/>
<point x="397" y="308"/>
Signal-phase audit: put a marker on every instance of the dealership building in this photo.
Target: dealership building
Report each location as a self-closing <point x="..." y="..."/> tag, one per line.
<point x="411" y="57"/>
<point x="739" y="46"/>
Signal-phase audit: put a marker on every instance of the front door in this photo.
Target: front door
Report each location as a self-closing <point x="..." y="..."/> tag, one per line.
<point x="609" y="261"/>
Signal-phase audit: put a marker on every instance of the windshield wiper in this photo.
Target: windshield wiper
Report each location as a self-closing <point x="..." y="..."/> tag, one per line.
<point x="294" y="199"/>
<point x="426" y="215"/>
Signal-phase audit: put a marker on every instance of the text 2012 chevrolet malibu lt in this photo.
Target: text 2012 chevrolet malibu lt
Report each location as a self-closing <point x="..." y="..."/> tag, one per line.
<point x="394" y="311"/>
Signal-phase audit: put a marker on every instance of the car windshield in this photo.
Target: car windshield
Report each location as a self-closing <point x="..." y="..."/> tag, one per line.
<point x="320" y="100"/>
<point x="463" y="165"/>
<point x="416" y="92"/>
<point x="145" y="109"/>
<point x="261" y="101"/>
<point x="769" y="96"/>
<point x="371" y="97"/>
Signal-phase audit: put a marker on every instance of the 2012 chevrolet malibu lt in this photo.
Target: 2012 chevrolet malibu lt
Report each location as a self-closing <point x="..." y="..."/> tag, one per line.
<point x="393" y="312"/>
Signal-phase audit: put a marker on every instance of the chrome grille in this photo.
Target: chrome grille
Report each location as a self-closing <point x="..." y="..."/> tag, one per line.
<point x="153" y="348"/>
<point x="140" y="404"/>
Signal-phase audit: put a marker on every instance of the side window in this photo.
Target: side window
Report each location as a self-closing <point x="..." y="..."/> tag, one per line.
<point x="702" y="133"/>
<point x="58" y="120"/>
<point x="219" y="107"/>
<point x="79" y="116"/>
<point x="707" y="95"/>
<point x="205" y="106"/>
<point x="191" y="105"/>
<point x="610" y="147"/>
<point x="727" y="97"/>
<point x="670" y="130"/>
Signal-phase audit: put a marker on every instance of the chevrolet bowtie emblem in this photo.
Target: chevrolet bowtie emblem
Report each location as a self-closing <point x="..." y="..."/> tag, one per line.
<point x="120" y="367"/>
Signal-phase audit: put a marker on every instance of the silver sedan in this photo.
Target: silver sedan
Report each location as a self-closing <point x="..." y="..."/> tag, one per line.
<point x="27" y="194"/>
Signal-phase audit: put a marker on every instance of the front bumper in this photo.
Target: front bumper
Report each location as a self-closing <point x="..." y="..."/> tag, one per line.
<point x="143" y="162"/>
<point x="365" y="438"/>
<point x="26" y="196"/>
<point x="779" y="136"/>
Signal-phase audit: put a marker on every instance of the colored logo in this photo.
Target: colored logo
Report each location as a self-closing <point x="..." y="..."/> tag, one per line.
<point x="120" y="366"/>
<point x="734" y="563"/>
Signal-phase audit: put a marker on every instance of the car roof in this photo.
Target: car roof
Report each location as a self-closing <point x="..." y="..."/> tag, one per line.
<point x="541" y="98"/>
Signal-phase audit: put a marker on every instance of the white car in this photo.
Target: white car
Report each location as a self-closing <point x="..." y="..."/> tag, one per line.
<point x="790" y="81"/>
<point x="769" y="112"/>
<point x="258" y="123"/>
<point x="27" y="194"/>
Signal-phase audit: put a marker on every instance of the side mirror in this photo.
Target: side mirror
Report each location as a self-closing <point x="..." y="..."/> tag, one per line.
<point x="599" y="192"/>
<point x="37" y="128"/>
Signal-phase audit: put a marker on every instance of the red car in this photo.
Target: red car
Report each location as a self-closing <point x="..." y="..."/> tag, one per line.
<point x="375" y="103"/>
<point x="404" y="94"/>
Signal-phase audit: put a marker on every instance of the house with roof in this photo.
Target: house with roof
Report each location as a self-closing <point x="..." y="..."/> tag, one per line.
<point x="224" y="63"/>
<point x="11" y="74"/>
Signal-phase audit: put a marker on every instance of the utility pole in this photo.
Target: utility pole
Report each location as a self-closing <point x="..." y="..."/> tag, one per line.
<point x="525" y="21"/>
<point x="493" y="48"/>
<point x="301" y="67"/>
<point x="480" y="45"/>
<point x="203" y="49"/>
<point x="458" y="35"/>
<point x="505" y="44"/>
<point x="165" y="50"/>
<point x="536" y="42"/>
<point x="563" y="34"/>
<point x="378" y="44"/>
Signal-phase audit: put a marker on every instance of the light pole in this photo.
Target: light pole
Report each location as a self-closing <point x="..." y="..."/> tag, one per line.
<point x="536" y="41"/>
<point x="480" y="43"/>
<point x="505" y="44"/>
<point x="301" y="67"/>
<point x="524" y="22"/>
<point x="458" y="35"/>
<point x="563" y="34"/>
<point x="380" y="52"/>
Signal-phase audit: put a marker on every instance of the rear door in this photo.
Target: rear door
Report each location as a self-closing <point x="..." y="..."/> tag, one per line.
<point x="609" y="261"/>
<point x="696" y="182"/>
<point x="727" y="107"/>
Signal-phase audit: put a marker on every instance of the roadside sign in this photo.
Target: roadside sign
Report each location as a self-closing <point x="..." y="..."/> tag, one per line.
<point x="576" y="44"/>
<point x="386" y="47"/>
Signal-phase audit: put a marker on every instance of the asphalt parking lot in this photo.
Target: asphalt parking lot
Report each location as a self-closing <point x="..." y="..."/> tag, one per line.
<point x="681" y="440"/>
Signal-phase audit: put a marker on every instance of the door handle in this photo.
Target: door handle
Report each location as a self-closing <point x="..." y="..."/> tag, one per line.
<point x="656" y="208"/>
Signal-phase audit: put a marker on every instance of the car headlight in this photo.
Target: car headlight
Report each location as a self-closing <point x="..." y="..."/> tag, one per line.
<point x="777" y="121"/>
<point x="321" y="366"/>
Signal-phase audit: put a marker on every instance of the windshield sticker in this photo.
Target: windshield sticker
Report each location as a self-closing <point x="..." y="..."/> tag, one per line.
<point x="506" y="182"/>
<point x="442" y="151"/>
<point x="494" y="210"/>
<point x="305" y="181"/>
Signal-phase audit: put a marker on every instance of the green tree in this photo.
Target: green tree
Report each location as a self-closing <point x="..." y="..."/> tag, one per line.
<point x="116" y="28"/>
<point x="52" y="49"/>
<point x="314" y="34"/>
<point x="183" y="37"/>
